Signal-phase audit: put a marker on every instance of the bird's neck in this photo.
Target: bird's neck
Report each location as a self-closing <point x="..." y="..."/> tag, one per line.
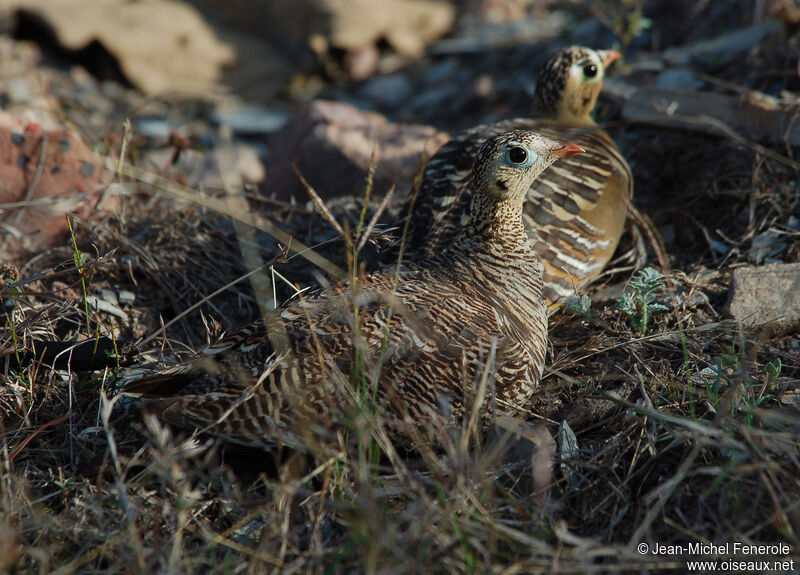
<point x="497" y="252"/>
<point x="497" y="226"/>
<point x="561" y="112"/>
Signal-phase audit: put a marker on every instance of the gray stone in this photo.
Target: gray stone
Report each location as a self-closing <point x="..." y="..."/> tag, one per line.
<point x="126" y="297"/>
<point x="250" y="120"/>
<point x="766" y="296"/>
<point x="108" y="295"/>
<point x="19" y="90"/>
<point x="106" y="307"/>
<point x="155" y="128"/>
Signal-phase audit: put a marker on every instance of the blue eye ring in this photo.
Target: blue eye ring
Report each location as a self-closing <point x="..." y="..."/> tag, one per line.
<point x="519" y="156"/>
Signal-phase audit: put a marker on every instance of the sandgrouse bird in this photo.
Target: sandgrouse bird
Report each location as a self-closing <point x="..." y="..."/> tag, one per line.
<point x="575" y="212"/>
<point x="419" y="334"/>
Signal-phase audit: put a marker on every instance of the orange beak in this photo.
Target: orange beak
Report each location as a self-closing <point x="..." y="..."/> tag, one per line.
<point x="609" y="56"/>
<point x="566" y="150"/>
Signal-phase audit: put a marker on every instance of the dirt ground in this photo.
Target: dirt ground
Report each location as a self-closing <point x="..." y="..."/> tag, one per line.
<point x="688" y="433"/>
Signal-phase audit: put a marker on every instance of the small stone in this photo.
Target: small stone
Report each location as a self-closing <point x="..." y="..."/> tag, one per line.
<point x="19" y="90"/>
<point x="106" y="307"/>
<point x="250" y="120"/>
<point x="126" y="297"/>
<point x="154" y="128"/>
<point x="766" y="296"/>
<point x="108" y="295"/>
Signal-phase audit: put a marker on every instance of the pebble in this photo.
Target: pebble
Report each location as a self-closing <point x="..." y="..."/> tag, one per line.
<point x="19" y="90"/>
<point x="769" y="294"/>
<point x="154" y="128"/>
<point x="250" y="120"/>
<point x="108" y="295"/>
<point x="126" y="297"/>
<point x="106" y="307"/>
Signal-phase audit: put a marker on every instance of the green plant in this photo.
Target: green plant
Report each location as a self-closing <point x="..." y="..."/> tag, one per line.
<point x="773" y="369"/>
<point x="639" y="300"/>
<point x="80" y="259"/>
<point x="581" y="306"/>
<point x="626" y="19"/>
<point x="631" y="25"/>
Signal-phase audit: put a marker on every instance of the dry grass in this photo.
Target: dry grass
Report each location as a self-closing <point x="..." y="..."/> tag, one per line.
<point x="683" y="434"/>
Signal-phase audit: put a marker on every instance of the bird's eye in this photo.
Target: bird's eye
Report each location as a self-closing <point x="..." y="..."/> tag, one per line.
<point x="518" y="155"/>
<point x="590" y="70"/>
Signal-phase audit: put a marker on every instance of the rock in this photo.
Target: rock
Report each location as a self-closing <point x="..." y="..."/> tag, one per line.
<point x="332" y="144"/>
<point x="126" y="297"/>
<point x="108" y="295"/>
<point x="161" y="45"/>
<point x="154" y="128"/>
<point x="19" y="90"/>
<point x="41" y="180"/>
<point x="766" y="296"/>
<point x="98" y="304"/>
<point x="408" y="26"/>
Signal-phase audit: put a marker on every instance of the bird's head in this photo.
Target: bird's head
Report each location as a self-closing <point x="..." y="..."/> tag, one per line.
<point x="506" y="165"/>
<point x="569" y="83"/>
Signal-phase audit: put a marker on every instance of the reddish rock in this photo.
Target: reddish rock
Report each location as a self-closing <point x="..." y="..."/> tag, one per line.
<point x="42" y="180"/>
<point x="332" y="144"/>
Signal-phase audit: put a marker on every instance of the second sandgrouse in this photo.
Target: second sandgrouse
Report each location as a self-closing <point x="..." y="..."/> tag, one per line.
<point x="575" y="212"/>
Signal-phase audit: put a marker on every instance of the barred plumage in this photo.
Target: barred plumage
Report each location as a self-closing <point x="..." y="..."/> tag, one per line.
<point x="575" y="212"/>
<point x="422" y="334"/>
